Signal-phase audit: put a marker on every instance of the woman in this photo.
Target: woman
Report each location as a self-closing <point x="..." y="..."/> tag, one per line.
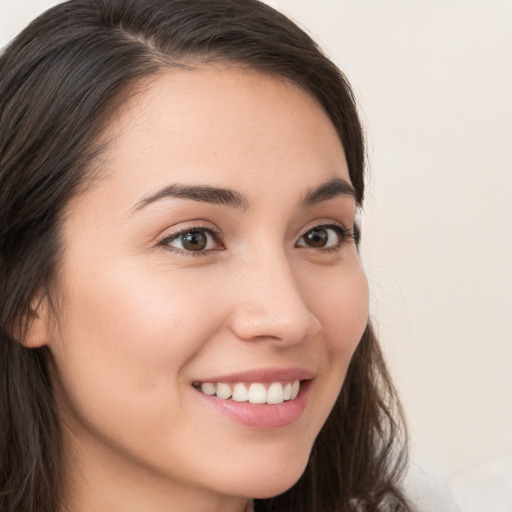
<point x="184" y="314"/>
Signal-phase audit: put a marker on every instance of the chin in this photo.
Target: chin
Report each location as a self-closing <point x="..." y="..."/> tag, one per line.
<point x="274" y="488"/>
<point x="268" y="478"/>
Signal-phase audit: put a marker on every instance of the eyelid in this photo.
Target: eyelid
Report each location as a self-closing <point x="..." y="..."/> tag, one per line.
<point x="344" y="233"/>
<point x="182" y="229"/>
<point x="323" y="223"/>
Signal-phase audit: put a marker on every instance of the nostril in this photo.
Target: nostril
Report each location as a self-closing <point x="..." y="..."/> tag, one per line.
<point x="288" y="326"/>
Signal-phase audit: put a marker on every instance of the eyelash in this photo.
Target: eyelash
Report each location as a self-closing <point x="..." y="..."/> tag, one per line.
<point x="345" y="235"/>
<point x="216" y="234"/>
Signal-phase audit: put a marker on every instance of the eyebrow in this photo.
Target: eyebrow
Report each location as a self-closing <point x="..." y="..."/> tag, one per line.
<point x="202" y="193"/>
<point x="223" y="196"/>
<point x="333" y="188"/>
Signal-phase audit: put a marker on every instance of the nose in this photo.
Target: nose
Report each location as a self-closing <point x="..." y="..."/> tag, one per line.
<point x="271" y="304"/>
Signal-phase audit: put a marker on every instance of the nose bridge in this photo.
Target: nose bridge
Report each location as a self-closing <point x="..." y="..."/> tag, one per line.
<point x="271" y="303"/>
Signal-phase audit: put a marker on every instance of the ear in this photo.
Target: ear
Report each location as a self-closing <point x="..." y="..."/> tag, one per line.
<point x="37" y="332"/>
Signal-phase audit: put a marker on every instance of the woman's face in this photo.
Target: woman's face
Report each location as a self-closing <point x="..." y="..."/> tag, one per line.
<point x="216" y="249"/>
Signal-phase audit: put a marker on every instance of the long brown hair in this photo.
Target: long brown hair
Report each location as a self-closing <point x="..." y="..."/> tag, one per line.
<point x="62" y="80"/>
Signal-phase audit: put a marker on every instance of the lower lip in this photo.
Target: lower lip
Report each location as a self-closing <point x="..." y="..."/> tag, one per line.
<point x="262" y="416"/>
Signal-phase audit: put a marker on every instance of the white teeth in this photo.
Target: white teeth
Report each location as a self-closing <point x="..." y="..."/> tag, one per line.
<point x="257" y="393"/>
<point x="208" y="388"/>
<point x="223" y="390"/>
<point x="287" y="391"/>
<point x="240" y="393"/>
<point x="275" y="393"/>
<point x="295" y="389"/>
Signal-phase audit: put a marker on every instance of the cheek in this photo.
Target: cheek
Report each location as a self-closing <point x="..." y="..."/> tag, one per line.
<point x="130" y="310"/>
<point x="339" y="299"/>
<point x="125" y="338"/>
<point x="121" y="356"/>
<point x="341" y="304"/>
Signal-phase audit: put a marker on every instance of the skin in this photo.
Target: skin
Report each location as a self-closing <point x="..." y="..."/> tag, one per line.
<point x="139" y="320"/>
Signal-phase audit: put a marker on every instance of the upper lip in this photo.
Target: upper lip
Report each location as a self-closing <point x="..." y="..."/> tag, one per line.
<point x="263" y="375"/>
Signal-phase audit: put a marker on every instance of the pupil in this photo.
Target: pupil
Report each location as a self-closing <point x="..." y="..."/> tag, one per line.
<point x="317" y="237"/>
<point x="194" y="241"/>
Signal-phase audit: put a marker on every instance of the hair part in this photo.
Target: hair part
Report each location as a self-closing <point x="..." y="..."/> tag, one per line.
<point x="63" y="81"/>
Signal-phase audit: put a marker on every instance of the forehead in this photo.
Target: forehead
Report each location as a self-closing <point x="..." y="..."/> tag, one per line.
<point x="224" y="126"/>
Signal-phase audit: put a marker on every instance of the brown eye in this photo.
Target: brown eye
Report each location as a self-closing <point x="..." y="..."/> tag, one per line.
<point x="317" y="237"/>
<point x="193" y="240"/>
<point x="321" y="237"/>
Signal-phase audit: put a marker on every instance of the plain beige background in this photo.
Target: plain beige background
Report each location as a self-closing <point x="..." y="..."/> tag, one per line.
<point x="434" y="82"/>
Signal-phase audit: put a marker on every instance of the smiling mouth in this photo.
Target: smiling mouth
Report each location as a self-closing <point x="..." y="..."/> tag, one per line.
<point x="255" y="393"/>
